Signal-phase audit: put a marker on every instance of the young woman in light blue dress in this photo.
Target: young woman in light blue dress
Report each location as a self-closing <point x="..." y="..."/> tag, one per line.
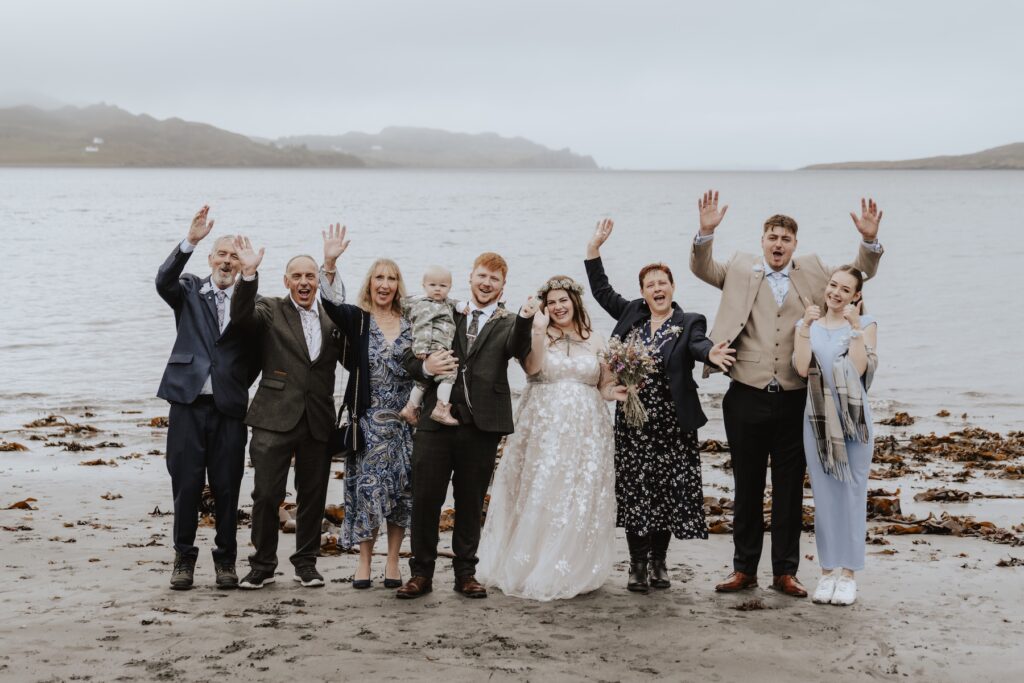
<point x="836" y="353"/>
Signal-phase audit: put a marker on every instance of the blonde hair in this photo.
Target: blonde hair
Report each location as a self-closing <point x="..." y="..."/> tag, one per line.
<point x="365" y="296"/>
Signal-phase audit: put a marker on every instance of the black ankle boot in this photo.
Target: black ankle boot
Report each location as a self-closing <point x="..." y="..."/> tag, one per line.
<point x="639" y="551"/>
<point x="659" y="550"/>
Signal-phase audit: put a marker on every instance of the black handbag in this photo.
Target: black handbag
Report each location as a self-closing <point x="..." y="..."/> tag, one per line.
<point x="341" y="442"/>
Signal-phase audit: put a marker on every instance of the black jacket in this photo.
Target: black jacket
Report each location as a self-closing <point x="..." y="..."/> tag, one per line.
<point x="200" y="350"/>
<point x="483" y="372"/>
<point x="690" y="346"/>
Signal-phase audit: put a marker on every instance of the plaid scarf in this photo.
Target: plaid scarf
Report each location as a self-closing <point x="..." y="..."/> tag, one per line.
<point x="832" y="424"/>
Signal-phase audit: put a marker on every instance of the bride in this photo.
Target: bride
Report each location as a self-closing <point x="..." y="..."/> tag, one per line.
<point x="550" y="526"/>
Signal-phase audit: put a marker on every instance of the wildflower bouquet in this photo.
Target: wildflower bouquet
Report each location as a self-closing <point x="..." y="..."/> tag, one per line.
<point x="632" y="361"/>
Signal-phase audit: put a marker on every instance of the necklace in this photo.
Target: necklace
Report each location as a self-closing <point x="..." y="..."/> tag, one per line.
<point x="658" y="321"/>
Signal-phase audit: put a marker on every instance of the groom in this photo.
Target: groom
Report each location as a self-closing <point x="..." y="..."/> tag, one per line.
<point x="486" y="337"/>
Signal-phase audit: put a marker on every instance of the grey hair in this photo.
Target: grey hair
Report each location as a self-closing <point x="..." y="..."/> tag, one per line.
<point x="293" y="259"/>
<point x="213" y="247"/>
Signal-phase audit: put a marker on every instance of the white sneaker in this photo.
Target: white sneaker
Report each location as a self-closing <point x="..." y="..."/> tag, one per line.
<point x="826" y="587"/>
<point x="846" y="591"/>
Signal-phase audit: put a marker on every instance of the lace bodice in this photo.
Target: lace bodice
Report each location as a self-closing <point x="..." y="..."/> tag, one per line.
<point x="570" y="361"/>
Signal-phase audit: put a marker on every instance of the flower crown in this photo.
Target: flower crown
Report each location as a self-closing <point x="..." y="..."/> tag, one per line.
<point x="568" y="284"/>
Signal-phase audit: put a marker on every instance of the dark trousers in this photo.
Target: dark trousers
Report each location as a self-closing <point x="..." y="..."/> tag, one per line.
<point x="272" y="454"/>
<point x="464" y="456"/>
<point x="759" y="424"/>
<point x="202" y="443"/>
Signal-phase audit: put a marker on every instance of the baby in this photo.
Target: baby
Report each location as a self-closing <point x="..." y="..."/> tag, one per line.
<point x="433" y="329"/>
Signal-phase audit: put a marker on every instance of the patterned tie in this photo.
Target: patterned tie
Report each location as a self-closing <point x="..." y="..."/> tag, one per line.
<point x="311" y="330"/>
<point x="778" y="282"/>
<point x="474" y="330"/>
<point x="221" y="296"/>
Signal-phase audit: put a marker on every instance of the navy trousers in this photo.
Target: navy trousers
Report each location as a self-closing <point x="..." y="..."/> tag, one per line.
<point x="205" y="444"/>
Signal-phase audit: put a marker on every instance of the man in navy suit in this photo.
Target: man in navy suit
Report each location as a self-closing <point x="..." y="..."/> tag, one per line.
<point x="207" y="383"/>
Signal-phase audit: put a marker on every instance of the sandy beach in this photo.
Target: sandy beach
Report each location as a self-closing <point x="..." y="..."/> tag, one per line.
<point x="86" y="595"/>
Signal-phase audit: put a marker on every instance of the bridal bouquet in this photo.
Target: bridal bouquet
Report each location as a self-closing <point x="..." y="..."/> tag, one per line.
<point x="632" y="361"/>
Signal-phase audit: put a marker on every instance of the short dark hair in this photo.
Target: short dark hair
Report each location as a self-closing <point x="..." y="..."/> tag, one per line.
<point x="651" y="267"/>
<point x="780" y="221"/>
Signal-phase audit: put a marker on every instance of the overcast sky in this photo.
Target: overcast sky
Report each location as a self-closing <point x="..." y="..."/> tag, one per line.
<point x="637" y="84"/>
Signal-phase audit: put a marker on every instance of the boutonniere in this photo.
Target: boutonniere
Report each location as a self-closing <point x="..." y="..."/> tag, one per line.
<point x="675" y="329"/>
<point x="758" y="267"/>
<point x="500" y="312"/>
<point x="207" y="288"/>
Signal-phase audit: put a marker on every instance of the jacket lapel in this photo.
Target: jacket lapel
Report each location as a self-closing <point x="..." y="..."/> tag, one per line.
<point x="211" y="306"/>
<point x="459" y="344"/>
<point x="676" y="319"/>
<point x="291" y="317"/>
<point x="799" y="283"/>
<point x="481" y="336"/>
<point x="325" y="332"/>
<point x="756" y="276"/>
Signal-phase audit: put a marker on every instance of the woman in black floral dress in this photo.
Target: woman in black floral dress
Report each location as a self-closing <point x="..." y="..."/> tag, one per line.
<point x="657" y="465"/>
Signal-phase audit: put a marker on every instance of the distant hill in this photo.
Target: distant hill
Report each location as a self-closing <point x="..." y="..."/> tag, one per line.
<point x="430" y="148"/>
<point x="998" y="158"/>
<point x="103" y="135"/>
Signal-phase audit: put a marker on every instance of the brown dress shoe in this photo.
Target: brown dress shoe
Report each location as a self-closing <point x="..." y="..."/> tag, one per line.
<point x="788" y="584"/>
<point x="737" y="581"/>
<point x="470" y="587"/>
<point x="416" y="587"/>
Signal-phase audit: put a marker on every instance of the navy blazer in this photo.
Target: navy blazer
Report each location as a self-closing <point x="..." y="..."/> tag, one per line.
<point x="200" y="350"/>
<point x="690" y="346"/>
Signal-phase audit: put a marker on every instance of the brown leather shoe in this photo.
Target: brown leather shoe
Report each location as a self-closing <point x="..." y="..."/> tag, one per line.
<point x="737" y="581"/>
<point x="788" y="584"/>
<point x="416" y="587"/>
<point x="470" y="587"/>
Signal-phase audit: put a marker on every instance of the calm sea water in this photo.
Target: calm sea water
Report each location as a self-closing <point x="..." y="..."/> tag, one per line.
<point x="82" y="323"/>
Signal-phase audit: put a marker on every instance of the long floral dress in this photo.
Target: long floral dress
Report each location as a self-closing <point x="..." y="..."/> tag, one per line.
<point x="550" y="531"/>
<point x="378" y="484"/>
<point x="657" y="466"/>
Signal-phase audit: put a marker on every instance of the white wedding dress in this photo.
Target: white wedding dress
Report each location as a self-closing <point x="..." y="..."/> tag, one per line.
<point x="550" y="525"/>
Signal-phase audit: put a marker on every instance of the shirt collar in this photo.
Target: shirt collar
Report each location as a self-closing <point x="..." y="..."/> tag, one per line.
<point x="312" y="310"/>
<point x="768" y="269"/>
<point x="487" y="310"/>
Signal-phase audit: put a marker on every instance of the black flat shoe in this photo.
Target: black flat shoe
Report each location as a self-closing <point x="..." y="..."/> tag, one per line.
<point x="659" y="574"/>
<point x="637" y="582"/>
<point x="392" y="583"/>
<point x="362" y="583"/>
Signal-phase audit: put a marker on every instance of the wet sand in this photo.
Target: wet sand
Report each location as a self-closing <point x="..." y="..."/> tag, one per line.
<point x="85" y="597"/>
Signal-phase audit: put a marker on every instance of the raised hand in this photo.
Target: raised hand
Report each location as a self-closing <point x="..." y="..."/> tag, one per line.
<point x="852" y="314"/>
<point x="601" y="234"/>
<point x="200" y="228"/>
<point x="530" y="307"/>
<point x="710" y="215"/>
<point x="540" y="322"/>
<point x="867" y="222"/>
<point x="335" y="244"/>
<point x="247" y="256"/>
<point x="811" y="313"/>
<point x="722" y="356"/>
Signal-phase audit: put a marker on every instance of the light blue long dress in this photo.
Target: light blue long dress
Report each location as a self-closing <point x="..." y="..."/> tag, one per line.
<point x="840" y="507"/>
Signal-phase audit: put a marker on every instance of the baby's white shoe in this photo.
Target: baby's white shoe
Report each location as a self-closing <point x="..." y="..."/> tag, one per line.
<point x="826" y="587"/>
<point x="846" y="591"/>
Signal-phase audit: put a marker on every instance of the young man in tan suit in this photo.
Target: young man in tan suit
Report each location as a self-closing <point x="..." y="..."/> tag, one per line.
<point x="763" y="296"/>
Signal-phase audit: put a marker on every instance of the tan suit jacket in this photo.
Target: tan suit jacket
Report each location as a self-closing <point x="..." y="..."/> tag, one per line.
<point x="746" y="297"/>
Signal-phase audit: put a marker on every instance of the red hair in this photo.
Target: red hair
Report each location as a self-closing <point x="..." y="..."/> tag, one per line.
<point x="492" y="261"/>
<point x="651" y="267"/>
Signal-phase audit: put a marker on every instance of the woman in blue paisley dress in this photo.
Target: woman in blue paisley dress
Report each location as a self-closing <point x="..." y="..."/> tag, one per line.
<point x="378" y="473"/>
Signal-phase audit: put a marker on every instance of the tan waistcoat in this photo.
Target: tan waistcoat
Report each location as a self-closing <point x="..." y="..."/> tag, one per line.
<point x="764" y="349"/>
